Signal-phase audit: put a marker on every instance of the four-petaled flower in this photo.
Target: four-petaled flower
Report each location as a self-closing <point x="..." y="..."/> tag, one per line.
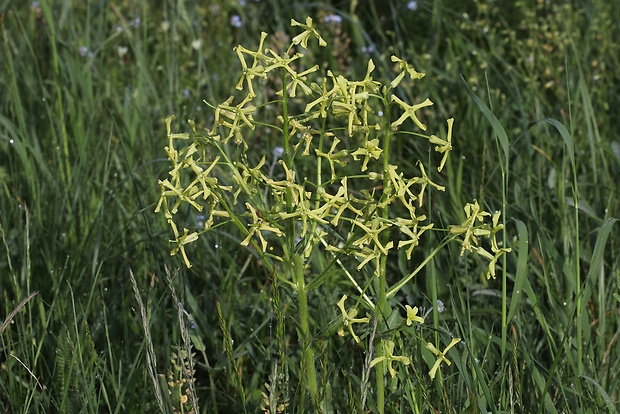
<point x="424" y="181"/>
<point x="257" y="226"/>
<point x="404" y="69"/>
<point x="371" y="150"/>
<point x="304" y="210"/>
<point x="299" y="79"/>
<point x="238" y="115"/>
<point x="186" y="238"/>
<point x="187" y="195"/>
<point x="333" y="157"/>
<point x="388" y="355"/>
<point x="413" y="233"/>
<point x="372" y="234"/>
<point x="498" y="252"/>
<point x="340" y="201"/>
<point x="368" y="255"/>
<point x="349" y="318"/>
<point x="490" y="273"/>
<point x="441" y="355"/>
<point x="247" y="74"/>
<point x="309" y="30"/>
<point x="412" y="315"/>
<point x="410" y="112"/>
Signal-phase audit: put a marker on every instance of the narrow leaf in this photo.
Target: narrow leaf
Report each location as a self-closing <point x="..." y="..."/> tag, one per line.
<point x="611" y="408"/>
<point x="500" y="133"/>
<point x="566" y="136"/>
<point x="521" y="273"/>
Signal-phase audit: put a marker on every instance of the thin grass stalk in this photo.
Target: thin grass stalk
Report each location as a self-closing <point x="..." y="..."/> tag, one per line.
<point x="228" y="343"/>
<point x="26" y="276"/>
<point x="187" y="371"/>
<point x="394" y="289"/>
<point x="11" y="315"/>
<point x="504" y="167"/>
<point x="505" y="182"/>
<point x="577" y="254"/>
<point x="8" y="260"/>
<point x="366" y="371"/>
<point x="151" y="360"/>
<point x="66" y="172"/>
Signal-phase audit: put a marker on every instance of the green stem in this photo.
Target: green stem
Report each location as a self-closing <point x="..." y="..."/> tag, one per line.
<point x="505" y="171"/>
<point x="307" y="361"/>
<point x="231" y="214"/>
<point x="432" y="271"/>
<point x="285" y="122"/>
<point x="394" y="290"/>
<point x="382" y="293"/>
<point x="288" y="160"/>
<point x="578" y="282"/>
<point x="319" y="175"/>
<point x="380" y="351"/>
<point x="577" y="254"/>
<point x="297" y="271"/>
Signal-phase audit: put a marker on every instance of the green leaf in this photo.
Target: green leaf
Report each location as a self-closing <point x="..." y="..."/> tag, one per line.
<point x="498" y="129"/>
<point x="521" y="273"/>
<point x="197" y="341"/>
<point x="599" y="248"/>
<point x="597" y="262"/>
<point x="566" y="136"/>
<point x="608" y="401"/>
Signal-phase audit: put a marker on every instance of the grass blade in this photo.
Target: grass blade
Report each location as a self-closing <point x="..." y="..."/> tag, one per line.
<point x="498" y="129"/>
<point x="521" y="273"/>
<point x="611" y="408"/>
<point x="566" y="136"/>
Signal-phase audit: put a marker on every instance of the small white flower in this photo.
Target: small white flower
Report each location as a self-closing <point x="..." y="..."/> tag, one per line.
<point x="277" y="153"/>
<point x="412" y="5"/>
<point x="369" y="49"/>
<point x="200" y="220"/>
<point x="235" y="21"/>
<point x="333" y="18"/>
<point x="196" y="44"/>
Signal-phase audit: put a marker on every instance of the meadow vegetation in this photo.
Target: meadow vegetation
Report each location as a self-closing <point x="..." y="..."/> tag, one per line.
<point x="339" y="243"/>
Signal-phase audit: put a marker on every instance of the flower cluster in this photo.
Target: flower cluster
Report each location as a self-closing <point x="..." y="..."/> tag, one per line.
<point x="474" y="227"/>
<point x="347" y="100"/>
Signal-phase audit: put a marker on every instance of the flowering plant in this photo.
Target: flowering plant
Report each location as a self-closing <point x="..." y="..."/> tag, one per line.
<point x="346" y="204"/>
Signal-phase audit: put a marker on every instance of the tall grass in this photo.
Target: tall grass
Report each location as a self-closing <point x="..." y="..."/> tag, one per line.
<point x="84" y="90"/>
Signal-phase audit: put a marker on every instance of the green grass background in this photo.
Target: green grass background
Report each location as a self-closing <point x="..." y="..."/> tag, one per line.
<point x="84" y="89"/>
